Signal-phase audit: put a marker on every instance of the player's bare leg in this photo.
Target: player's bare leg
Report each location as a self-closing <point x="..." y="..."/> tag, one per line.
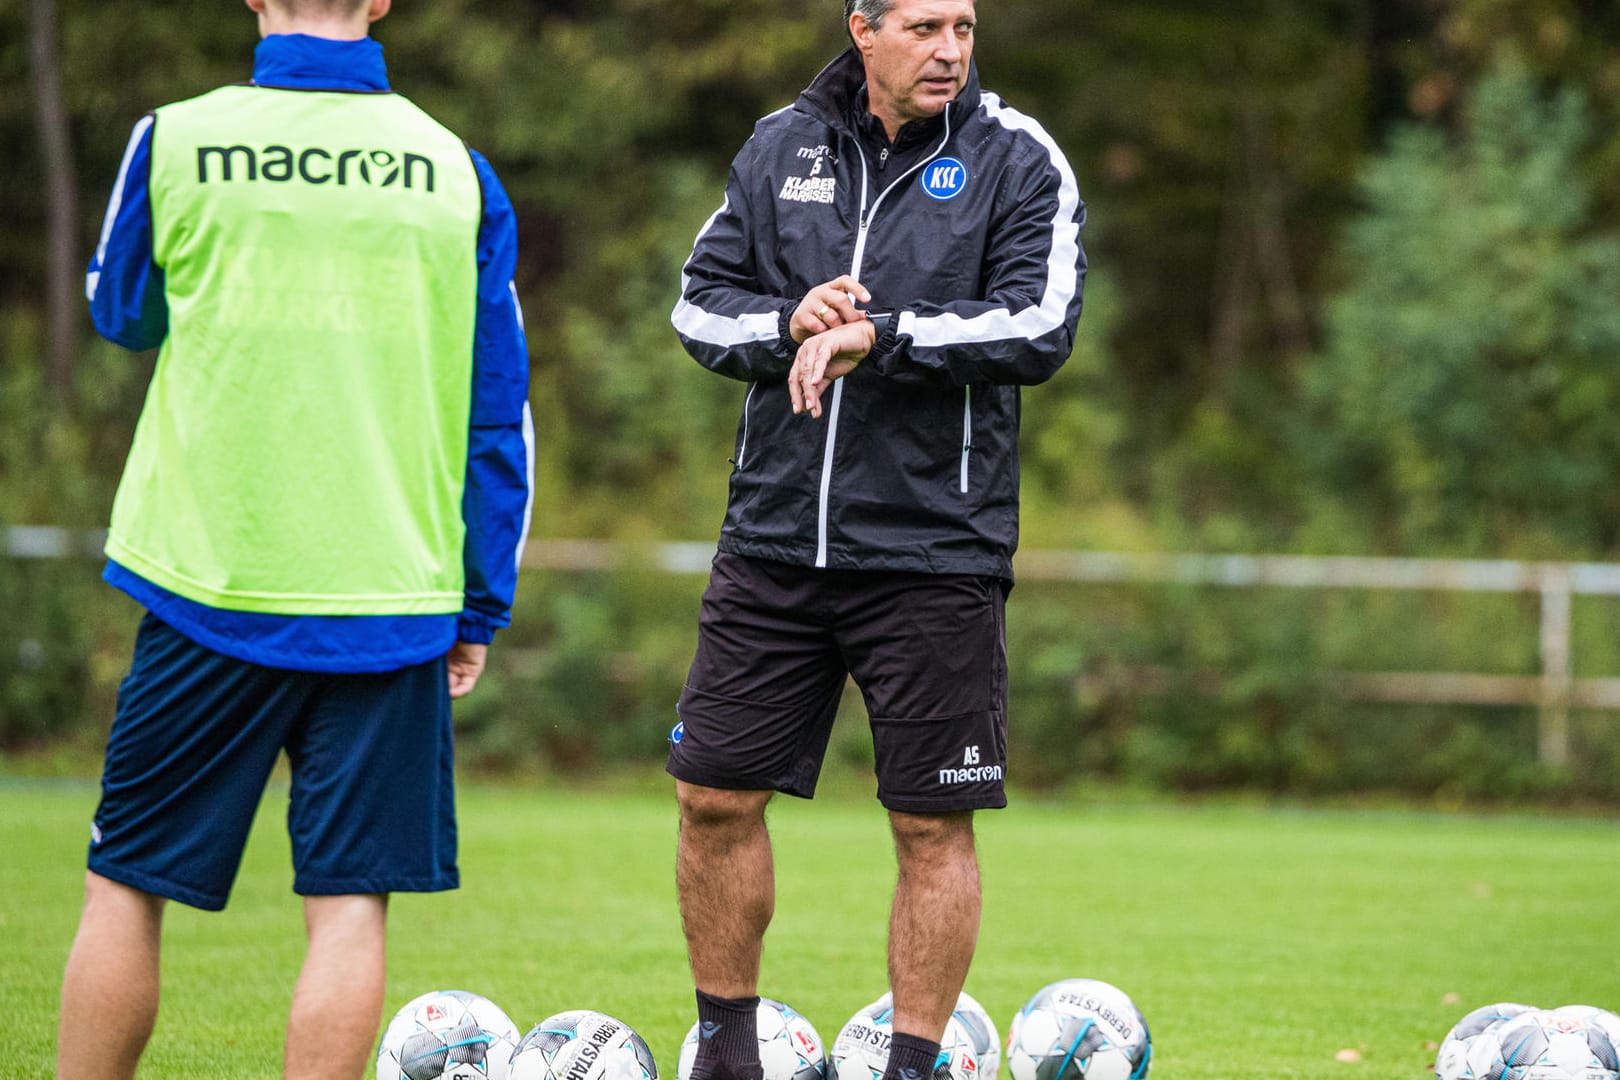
<point x="725" y="877"/>
<point x="110" y="989"/>
<point x="337" y="1004"/>
<point x="727" y="887"/>
<point x="934" y="925"/>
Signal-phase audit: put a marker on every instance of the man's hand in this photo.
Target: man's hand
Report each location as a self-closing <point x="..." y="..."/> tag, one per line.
<point x="826" y="358"/>
<point x="466" y="663"/>
<point x="827" y="306"/>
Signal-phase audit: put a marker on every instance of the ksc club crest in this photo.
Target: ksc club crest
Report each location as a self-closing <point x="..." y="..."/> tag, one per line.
<point x="944" y="178"/>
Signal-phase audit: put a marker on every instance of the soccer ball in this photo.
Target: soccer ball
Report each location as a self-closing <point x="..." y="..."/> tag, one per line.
<point x="861" y="1050"/>
<point x="1592" y="1015"/>
<point x="1079" y="1029"/>
<point x="582" y="1045"/>
<point x="447" y="1035"/>
<point x="789" y="1047"/>
<point x="969" y="1050"/>
<point x="1540" y="1045"/>
<point x="1451" y="1060"/>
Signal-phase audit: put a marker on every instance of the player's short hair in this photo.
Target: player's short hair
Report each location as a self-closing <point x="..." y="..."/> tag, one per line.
<point x="872" y="10"/>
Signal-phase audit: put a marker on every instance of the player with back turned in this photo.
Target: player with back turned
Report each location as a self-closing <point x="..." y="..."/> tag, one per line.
<point x="322" y="513"/>
<point x="897" y="254"/>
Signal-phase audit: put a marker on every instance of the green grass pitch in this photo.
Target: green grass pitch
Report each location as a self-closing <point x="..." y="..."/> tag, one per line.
<point x="1258" y="943"/>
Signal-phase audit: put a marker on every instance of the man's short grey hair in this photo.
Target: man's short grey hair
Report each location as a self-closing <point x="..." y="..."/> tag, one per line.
<point x="872" y="10"/>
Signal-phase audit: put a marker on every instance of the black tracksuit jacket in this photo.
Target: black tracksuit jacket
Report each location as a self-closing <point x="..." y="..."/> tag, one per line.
<point x="968" y="232"/>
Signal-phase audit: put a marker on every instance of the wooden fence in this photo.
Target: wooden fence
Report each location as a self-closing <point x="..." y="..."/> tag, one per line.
<point x="1554" y="692"/>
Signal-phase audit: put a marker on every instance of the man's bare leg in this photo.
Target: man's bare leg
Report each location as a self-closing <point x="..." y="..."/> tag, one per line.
<point x="726" y="881"/>
<point x="110" y="987"/>
<point x="934" y="925"/>
<point x="337" y="1004"/>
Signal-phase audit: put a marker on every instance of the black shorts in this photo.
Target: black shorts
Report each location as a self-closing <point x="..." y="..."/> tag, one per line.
<point x="775" y="645"/>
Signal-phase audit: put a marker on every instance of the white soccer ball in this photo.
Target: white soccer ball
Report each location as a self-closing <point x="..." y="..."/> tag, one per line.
<point x="861" y="1049"/>
<point x="1079" y="1029"/>
<point x="1451" y="1060"/>
<point x="582" y="1044"/>
<point x="1541" y="1045"/>
<point x="1592" y="1015"/>
<point x="969" y="1050"/>
<point x="789" y="1047"/>
<point x="447" y="1035"/>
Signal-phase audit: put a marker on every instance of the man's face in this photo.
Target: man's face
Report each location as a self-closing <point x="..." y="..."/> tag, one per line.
<point x="918" y="62"/>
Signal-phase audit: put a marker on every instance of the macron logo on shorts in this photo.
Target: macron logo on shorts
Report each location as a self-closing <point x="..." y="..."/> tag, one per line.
<point x="971" y="771"/>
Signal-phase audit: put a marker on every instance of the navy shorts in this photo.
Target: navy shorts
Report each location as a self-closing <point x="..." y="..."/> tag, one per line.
<point x="372" y="805"/>
<point x="776" y="644"/>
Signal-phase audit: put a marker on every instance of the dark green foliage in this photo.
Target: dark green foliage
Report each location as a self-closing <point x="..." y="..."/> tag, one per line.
<point x="1354" y="268"/>
<point x="1473" y="372"/>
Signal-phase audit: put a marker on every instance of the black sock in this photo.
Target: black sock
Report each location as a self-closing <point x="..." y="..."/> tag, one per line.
<point x="911" y="1057"/>
<point x="728" y="1039"/>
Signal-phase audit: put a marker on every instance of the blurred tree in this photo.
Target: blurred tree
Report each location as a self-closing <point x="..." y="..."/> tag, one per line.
<point x="1248" y="374"/>
<point x="1213" y="146"/>
<point x="1472" y="374"/>
<point x="61" y="195"/>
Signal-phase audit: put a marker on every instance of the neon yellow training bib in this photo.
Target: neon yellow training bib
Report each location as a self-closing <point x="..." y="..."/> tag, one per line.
<point x="303" y="446"/>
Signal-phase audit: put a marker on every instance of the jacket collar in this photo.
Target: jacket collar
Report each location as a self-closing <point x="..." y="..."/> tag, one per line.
<point x="304" y="62"/>
<point x="838" y="93"/>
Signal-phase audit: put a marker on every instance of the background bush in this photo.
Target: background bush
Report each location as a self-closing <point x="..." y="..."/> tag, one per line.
<point x="1352" y="292"/>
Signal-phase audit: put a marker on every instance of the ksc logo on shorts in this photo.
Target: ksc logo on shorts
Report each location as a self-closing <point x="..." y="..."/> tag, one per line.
<point x="944" y="178"/>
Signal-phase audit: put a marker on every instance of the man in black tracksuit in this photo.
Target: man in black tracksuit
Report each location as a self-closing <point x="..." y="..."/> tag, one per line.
<point x="897" y="254"/>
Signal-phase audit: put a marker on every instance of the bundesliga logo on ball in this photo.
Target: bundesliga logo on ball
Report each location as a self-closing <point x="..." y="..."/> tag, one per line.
<point x="970" y="1048"/>
<point x="789" y="1048"/>
<point x="447" y="1035"/>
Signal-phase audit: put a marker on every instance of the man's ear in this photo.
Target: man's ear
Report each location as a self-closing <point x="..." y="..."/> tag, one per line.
<point x="860" y="31"/>
<point x="378" y="9"/>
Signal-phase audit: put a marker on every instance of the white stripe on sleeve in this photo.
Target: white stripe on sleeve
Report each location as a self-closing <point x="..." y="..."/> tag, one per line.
<point x="114" y="204"/>
<point x="725" y="331"/>
<point x="528" y="505"/>
<point x="1000" y="324"/>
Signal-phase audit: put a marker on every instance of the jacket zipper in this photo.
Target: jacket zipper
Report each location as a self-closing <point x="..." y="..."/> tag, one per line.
<point x="967" y="433"/>
<point x="742" y="445"/>
<point x="866" y="216"/>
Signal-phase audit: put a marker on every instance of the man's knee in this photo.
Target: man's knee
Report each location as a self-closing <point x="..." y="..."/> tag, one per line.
<point x="106" y="897"/>
<point x="719" y="808"/>
<point x="932" y="837"/>
<point x="352" y="918"/>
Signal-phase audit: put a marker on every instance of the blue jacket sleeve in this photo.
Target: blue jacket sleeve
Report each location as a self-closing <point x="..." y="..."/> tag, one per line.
<point x="500" y="453"/>
<point x="124" y="285"/>
<point x="722" y="319"/>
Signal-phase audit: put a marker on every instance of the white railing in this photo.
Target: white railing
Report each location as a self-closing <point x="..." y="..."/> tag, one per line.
<point x="1553" y="692"/>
